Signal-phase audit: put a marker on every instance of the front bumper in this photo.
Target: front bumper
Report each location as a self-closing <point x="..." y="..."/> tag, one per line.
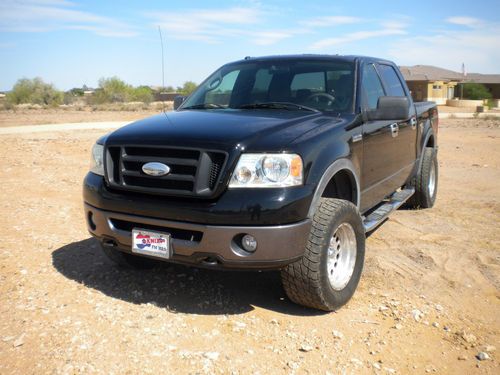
<point x="246" y="207"/>
<point x="205" y="245"/>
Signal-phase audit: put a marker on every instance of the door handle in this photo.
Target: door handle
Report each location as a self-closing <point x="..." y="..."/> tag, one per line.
<point x="357" y="137"/>
<point x="394" y="129"/>
<point x="413" y="123"/>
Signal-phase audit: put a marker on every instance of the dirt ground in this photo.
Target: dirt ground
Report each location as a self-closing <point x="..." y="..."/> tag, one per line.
<point x="428" y="300"/>
<point x="21" y="117"/>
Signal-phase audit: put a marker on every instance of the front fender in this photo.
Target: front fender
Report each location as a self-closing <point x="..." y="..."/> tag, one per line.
<point x="336" y="166"/>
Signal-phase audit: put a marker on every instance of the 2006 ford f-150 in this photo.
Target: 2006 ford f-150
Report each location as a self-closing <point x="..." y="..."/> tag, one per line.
<point x="281" y="162"/>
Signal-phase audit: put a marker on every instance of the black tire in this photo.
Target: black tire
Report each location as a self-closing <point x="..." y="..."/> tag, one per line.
<point x="306" y="281"/>
<point x="424" y="196"/>
<point x="126" y="260"/>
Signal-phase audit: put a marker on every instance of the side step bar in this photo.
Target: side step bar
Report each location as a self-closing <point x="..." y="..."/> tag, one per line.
<point x="378" y="216"/>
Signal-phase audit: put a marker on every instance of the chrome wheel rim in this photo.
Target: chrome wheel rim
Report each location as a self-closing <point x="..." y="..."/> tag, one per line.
<point x="341" y="256"/>
<point x="432" y="180"/>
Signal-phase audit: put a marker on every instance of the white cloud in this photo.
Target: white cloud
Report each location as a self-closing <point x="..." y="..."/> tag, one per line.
<point x="330" y="21"/>
<point x="214" y="25"/>
<point x="266" y="38"/>
<point x="464" y="21"/>
<point x="50" y="15"/>
<point x="355" y="36"/>
<point x="449" y="49"/>
<point x="204" y="25"/>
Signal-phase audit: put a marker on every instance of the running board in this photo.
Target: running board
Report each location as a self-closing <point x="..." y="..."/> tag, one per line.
<point x="378" y="216"/>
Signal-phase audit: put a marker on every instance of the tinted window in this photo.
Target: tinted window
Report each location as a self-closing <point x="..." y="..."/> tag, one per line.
<point x="325" y="85"/>
<point x="314" y="81"/>
<point x="222" y="88"/>
<point x="391" y="80"/>
<point x="372" y="87"/>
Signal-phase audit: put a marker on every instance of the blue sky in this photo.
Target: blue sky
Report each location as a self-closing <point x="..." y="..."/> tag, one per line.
<point x="71" y="43"/>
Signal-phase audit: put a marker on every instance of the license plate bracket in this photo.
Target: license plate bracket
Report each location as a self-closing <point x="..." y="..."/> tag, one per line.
<point x="152" y="243"/>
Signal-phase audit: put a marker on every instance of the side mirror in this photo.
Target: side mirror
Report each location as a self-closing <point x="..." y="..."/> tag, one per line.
<point x="390" y="108"/>
<point x="178" y="100"/>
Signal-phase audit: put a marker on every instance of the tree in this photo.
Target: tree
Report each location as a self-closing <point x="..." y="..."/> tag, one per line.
<point x="34" y="91"/>
<point x="112" y="90"/>
<point x="142" y="94"/>
<point x="475" y="91"/>
<point x="75" y="91"/>
<point x="187" y="88"/>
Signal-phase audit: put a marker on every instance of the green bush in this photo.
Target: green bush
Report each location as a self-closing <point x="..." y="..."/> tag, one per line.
<point x="475" y="91"/>
<point x="187" y="88"/>
<point x="73" y="95"/>
<point x="142" y="94"/>
<point x="34" y="91"/>
<point x="112" y="90"/>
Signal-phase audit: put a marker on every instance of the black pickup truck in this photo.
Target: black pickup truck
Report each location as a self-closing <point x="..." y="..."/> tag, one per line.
<point x="281" y="162"/>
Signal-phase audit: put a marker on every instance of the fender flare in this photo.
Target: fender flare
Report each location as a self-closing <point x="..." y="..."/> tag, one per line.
<point x="336" y="166"/>
<point x="428" y="134"/>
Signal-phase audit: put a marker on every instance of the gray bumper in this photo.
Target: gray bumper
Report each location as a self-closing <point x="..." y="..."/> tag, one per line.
<point x="205" y="245"/>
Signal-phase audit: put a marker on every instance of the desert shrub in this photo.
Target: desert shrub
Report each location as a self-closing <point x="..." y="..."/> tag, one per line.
<point x="475" y="91"/>
<point x="73" y="95"/>
<point x="112" y="90"/>
<point x="187" y="88"/>
<point x="34" y="91"/>
<point x="142" y="94"/>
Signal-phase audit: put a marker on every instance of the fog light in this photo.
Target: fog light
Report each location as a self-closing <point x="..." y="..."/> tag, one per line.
<point x="249" y="243"/>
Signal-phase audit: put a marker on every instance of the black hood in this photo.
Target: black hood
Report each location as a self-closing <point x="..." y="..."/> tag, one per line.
<point x="250" y="130"/>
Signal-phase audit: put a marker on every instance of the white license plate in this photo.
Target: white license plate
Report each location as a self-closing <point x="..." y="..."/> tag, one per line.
<point x="151" y="243"/>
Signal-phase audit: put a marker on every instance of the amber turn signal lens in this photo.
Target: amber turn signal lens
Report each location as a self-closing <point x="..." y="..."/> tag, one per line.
<point x="296" y="167"/>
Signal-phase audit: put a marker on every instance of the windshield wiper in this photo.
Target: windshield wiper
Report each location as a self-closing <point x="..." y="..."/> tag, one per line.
<point x="277" y="105"/>
<point x="204" y="106"/>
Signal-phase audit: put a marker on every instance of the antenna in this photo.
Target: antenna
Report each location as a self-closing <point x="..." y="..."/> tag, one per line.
<point x="162" y="69"/>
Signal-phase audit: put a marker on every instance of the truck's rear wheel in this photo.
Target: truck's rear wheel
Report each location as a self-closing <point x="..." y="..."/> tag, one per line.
<point x="126" y="260"/>
<point x="327" y="275"/>
<point x="426" y="182"/>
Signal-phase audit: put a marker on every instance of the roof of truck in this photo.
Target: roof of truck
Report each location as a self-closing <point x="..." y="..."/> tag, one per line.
<point x="347" y="58"/>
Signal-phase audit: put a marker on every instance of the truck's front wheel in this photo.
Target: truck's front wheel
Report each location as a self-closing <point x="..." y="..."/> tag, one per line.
<point x="327" y="275"/>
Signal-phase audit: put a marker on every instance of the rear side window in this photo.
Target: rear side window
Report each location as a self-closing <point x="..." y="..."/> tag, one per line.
<point x="391" y="80"/>
<point x="372" y="87"/>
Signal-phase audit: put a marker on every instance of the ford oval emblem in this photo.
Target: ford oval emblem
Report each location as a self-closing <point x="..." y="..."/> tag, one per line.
<point x="155" y="169"/>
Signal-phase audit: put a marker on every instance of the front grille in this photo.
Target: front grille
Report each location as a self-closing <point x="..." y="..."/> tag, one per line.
<point x="193" y="172"/>
<point x="176" y="233"/>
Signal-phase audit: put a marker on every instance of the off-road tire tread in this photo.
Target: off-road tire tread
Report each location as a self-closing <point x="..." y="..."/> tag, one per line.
<point x="421" y="198"/>
<point x="301" y="279"/>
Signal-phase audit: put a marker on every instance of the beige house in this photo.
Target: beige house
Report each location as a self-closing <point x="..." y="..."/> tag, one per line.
<point x="428" y="82"/>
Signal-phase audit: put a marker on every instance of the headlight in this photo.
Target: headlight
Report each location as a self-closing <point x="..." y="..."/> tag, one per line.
<point x="267" y="170"/>
<point x="97" y="160"/>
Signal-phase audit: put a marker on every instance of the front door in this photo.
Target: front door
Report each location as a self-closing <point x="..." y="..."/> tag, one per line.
<point x="384" y="159"/>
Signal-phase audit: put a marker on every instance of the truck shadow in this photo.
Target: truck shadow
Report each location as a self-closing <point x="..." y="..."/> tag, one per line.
<point x="175" y="287"/>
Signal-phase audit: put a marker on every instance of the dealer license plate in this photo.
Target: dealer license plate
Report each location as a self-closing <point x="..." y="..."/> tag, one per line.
<point x="151" y="243"/>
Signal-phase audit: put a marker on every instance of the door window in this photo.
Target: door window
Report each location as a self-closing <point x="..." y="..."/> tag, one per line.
<point x="391" y="80"/>
<point x="372" y="87"/>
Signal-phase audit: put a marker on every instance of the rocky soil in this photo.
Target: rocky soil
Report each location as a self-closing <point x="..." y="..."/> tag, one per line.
<point x="428" y="301"/>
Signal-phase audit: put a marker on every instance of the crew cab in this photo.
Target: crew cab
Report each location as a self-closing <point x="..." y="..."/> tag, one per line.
<point x="280" y="162"/>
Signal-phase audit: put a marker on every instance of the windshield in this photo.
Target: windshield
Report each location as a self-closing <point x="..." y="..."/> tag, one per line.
<point x="285" y="84"/>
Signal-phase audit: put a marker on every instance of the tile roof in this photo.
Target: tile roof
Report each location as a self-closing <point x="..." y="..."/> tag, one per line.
<point x="434" y="73"/>
<point x="483" y="78"/>
<point x="429" y="73"/>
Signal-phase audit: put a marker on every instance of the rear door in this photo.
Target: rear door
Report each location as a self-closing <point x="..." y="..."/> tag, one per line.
<point x="381" y="150"/>
<point x="406" y="141"/>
